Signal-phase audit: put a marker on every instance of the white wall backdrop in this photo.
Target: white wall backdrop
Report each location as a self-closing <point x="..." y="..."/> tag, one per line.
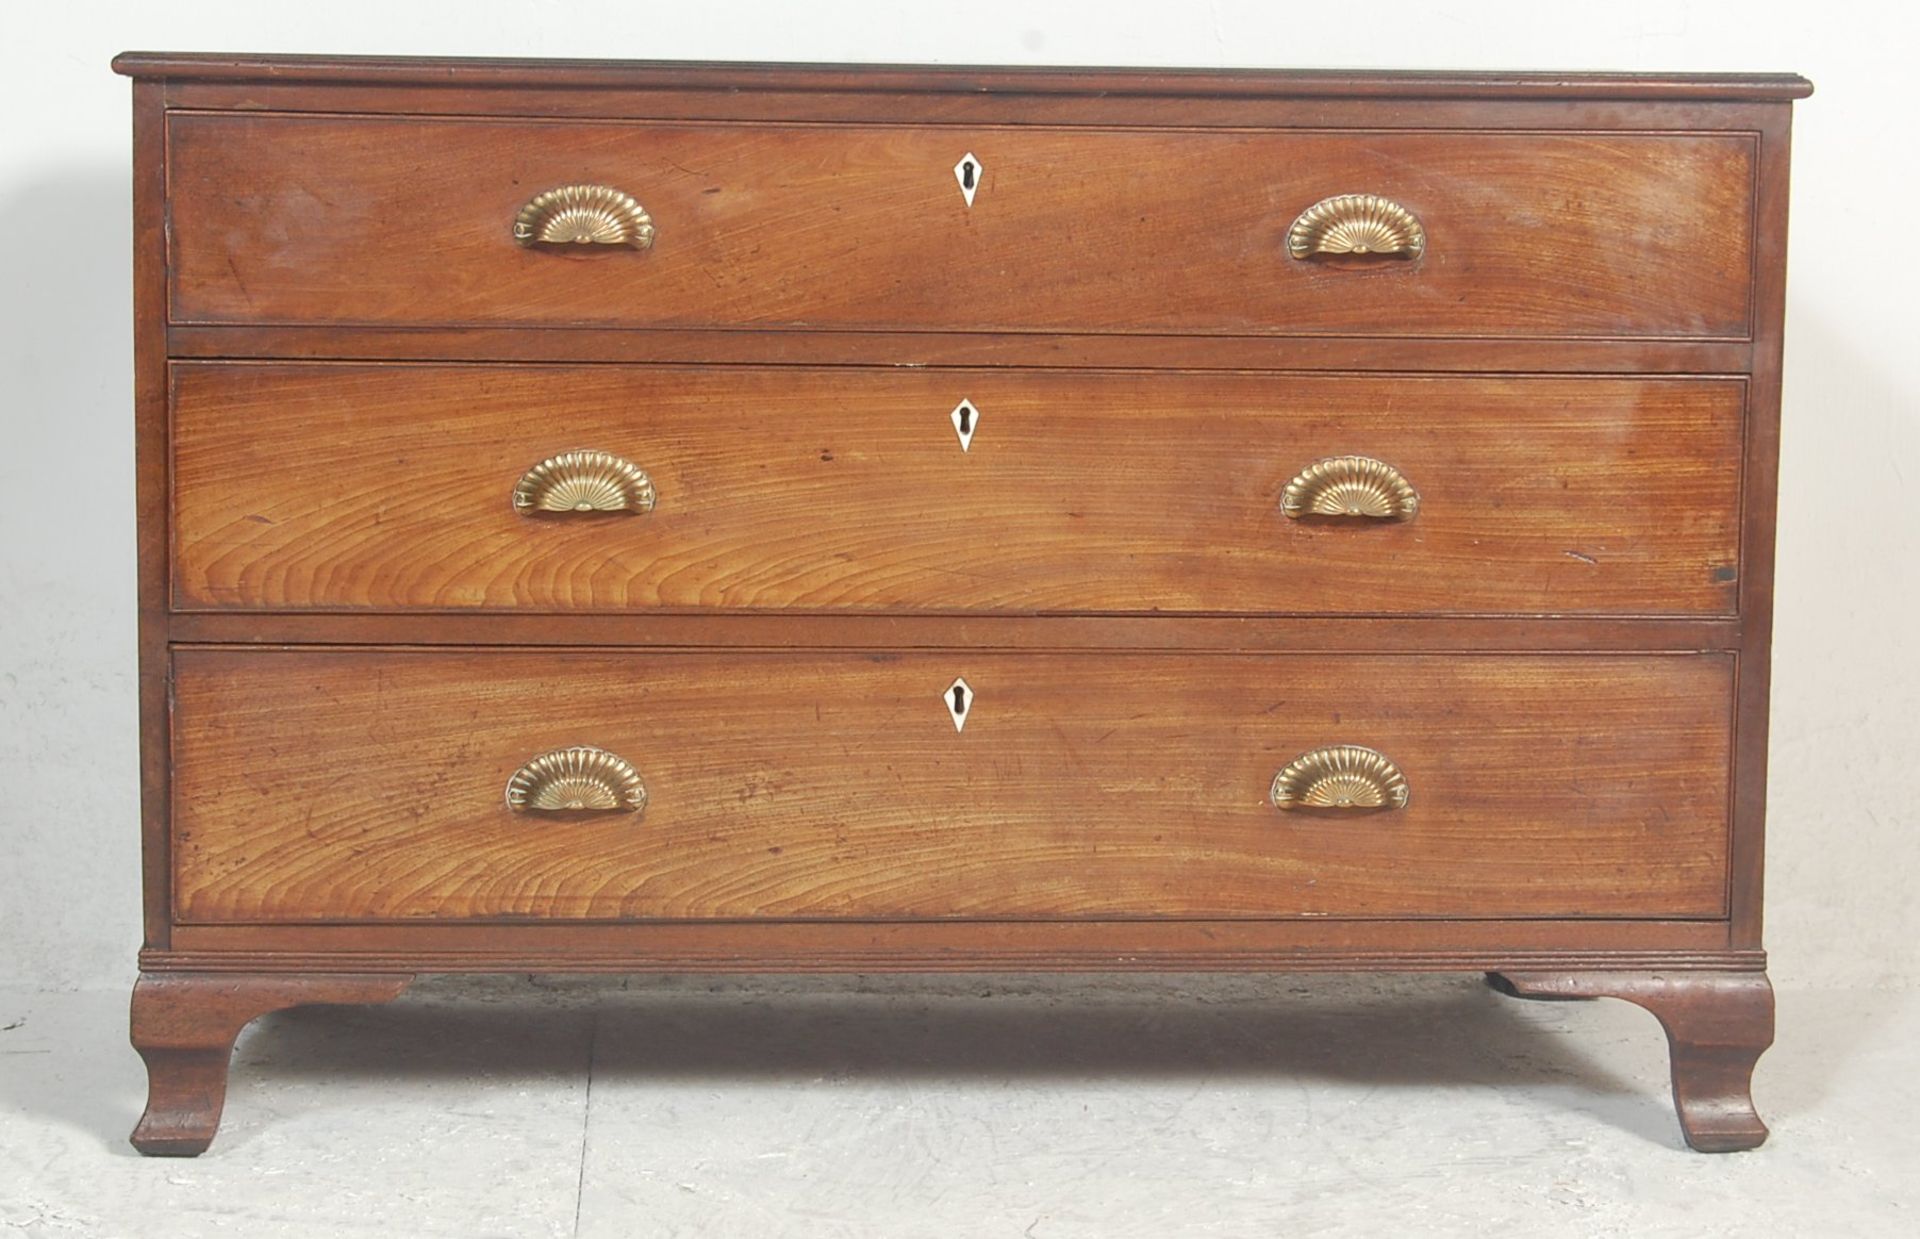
<point x="1843" y="846"/>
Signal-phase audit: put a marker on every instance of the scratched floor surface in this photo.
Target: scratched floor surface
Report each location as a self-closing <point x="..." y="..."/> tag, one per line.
<point x="1096" y="1107"/>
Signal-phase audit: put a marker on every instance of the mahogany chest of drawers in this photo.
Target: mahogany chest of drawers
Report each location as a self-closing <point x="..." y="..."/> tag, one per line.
<point x="653" y="517"/>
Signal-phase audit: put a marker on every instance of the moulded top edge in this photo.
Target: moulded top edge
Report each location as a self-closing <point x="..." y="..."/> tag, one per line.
<point x="954" y="79"/>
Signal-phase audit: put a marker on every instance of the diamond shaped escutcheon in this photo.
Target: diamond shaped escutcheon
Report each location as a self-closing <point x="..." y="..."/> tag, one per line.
<point x="965" y="419"/>
<point x="959" y="702"/>
<point x="968" y="172"/>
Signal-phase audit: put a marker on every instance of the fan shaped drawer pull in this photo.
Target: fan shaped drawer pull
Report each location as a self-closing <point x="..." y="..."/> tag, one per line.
<point x="1345" y="777"/>
<point x="581" y="779"/>
<point x="1350" y="486"/>
<point x="1356" y="224"/>
<point x="584" y="481"/>
<point x="583" y="215"/>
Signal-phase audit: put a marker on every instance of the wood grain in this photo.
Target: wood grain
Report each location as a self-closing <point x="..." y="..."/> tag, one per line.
<point x="359" y="487"/>
<point x="1302" y="944"/>
<point x="1089" y="107"/>
<point x="1760" y="509"/>
<point x="152" y="448"/>
<point x="1717" y="1024"/>
<point x="738" y="346"/>
<point x="1567" y="651"/>
<point x="367" y="785"/>
<point x="804" y="630"/>
<point x="524" y="75"/>
<point x="300" y="219"/>
<point x="184" y="1024"/>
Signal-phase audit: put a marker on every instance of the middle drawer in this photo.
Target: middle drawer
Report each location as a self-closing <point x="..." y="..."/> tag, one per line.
<point x="318" y="486"/>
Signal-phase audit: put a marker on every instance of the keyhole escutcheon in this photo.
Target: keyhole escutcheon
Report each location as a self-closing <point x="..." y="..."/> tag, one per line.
<point x="968" y="172"/>
<point x="959" y="701"/>
<point x="964" y="418"/>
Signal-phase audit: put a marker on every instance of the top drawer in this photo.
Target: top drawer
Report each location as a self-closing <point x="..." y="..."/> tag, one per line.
<point x="359" y="220"/>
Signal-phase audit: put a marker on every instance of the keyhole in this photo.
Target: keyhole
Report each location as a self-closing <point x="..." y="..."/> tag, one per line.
<point x="965" y="419"/>
<point x="958" y="696"/>
<point x="967" y="172"/>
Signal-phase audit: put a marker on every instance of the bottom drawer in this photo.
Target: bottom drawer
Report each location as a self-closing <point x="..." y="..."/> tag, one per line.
<point x="370" y="785"/>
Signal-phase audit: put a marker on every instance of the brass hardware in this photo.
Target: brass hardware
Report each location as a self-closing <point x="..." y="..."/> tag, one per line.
<point x="1350" y="486"/>
<point x="1340" y="776"/>
<point x="1356" y="224"/>
<point x="583" y="215"/>
<point x="581" y="779"/>
<point x="584" y="481"/>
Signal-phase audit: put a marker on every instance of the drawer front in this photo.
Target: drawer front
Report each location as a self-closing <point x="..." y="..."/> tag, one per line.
<point x="315" y="486"/>
<point x="284" y="219"/>
<point x="372" y="785"/>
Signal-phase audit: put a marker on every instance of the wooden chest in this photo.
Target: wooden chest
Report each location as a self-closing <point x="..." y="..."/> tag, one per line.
<point x="653" y="517"/>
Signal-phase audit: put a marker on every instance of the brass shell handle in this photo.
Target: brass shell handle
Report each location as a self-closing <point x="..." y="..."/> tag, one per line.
<point x="583" y="215"/>
<point x="1344" y="777"/>
<point x="1356" y="224"/>
<point x="584" y="481"/>
<point x="581" y="779"/>
<point x="1350" y="487"/>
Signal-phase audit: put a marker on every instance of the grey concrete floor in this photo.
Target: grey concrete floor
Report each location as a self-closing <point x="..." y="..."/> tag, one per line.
<point x="956" y="1107"/>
